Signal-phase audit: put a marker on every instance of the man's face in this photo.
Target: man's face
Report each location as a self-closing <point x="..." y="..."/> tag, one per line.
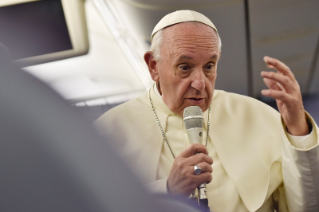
<point x="188" y="65"/>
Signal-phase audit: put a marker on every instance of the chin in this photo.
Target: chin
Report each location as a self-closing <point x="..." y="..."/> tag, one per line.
<point x="204" y="108"/>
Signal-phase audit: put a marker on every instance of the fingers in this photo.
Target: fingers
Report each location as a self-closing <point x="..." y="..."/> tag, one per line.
<point x="271" y="84"/>
<point x="205" y="167"/>
<point x="187" y="164"/>
<point x="186" y="184"/>
<point x="198" y="158"/>
<point x="283" y="85"/>
<point x="281" y="80"/>
<point x="206" y="174"/>
<point x="279" y="95"/>
<point x="279" y="66"/>
<point x="206" y="177"/>
<point x="193" y="149"/>
<point x="182" y="179"/>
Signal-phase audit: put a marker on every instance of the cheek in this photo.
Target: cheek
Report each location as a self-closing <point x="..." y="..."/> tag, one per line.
<point x="170" y="86"/>
<point x="175" y="95"/>
<point x="211" y="81"/>
<point x="182" y="86"/>
<point x="210" y="85"/>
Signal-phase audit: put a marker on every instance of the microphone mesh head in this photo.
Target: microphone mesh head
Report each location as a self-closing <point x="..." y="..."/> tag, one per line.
<point x="192" y="111"/>
<point x="197" y="121"/>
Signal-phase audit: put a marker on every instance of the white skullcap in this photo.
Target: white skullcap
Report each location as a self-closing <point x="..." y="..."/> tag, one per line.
<point x="182" y="16"/>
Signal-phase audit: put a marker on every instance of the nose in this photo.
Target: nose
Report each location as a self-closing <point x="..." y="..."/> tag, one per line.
<point x="198" y="81"/>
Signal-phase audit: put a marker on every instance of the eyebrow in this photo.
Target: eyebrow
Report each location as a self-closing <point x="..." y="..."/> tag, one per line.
<point x="185" y="57"/>
<point x="214" y="57"/>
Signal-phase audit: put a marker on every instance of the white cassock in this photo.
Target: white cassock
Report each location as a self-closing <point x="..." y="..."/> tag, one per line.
<point x="255" y="164"/>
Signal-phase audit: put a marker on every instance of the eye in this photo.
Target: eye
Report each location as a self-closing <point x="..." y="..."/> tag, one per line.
<point x="184" y="67"/>
<point x="209" y="66"/>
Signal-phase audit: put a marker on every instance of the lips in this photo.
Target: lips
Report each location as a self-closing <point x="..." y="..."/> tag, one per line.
<point x="195" y="101"/>
<point x="195" y="98"/>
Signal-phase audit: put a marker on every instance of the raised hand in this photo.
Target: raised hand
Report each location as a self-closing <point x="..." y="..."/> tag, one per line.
<point x="182" y="179"/>
<point x="284" y="87"/>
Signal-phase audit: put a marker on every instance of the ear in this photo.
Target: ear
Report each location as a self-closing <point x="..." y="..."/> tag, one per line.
<point x="152" y="65"/>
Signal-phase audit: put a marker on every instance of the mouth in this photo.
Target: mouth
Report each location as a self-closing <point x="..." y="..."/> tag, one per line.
<point x="196" y="100"/>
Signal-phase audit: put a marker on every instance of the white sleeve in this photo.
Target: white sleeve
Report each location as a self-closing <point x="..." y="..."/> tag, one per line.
<point x="300" y="167"/>
<point x="303" y="142"/>
<point x="158" y="186"/>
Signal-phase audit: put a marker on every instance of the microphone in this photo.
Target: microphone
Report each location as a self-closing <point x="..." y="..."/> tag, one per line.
<point x="194" y="120"/>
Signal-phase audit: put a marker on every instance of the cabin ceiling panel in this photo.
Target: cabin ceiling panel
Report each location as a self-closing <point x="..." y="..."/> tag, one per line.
<point x="286" y="30"/>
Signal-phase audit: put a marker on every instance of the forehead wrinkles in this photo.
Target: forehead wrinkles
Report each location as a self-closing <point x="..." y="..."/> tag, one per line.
<point x="189" y="36"/>
<point x="192" y="42"/>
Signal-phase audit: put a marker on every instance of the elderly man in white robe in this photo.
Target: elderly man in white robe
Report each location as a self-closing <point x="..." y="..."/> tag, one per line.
<point x="254" y="158"/>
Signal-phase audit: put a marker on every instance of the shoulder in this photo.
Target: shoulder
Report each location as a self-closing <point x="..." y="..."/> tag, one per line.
<point x="131" y="126"/>
<point x="121" y="118"/>
<point x="237" y="102"/>
<point x="126" y="109"/>
<point x="243" y="107"/>
<point x="250" y="121"/>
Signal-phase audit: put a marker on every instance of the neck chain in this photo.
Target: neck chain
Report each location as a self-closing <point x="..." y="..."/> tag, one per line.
<point x="162" y="131"/>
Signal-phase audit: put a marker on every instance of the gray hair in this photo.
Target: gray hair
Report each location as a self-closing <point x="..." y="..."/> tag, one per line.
<point x="157" y="41"/>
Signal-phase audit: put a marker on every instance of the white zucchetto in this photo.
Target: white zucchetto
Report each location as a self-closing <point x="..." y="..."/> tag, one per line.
<point x="182" y="16"/>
